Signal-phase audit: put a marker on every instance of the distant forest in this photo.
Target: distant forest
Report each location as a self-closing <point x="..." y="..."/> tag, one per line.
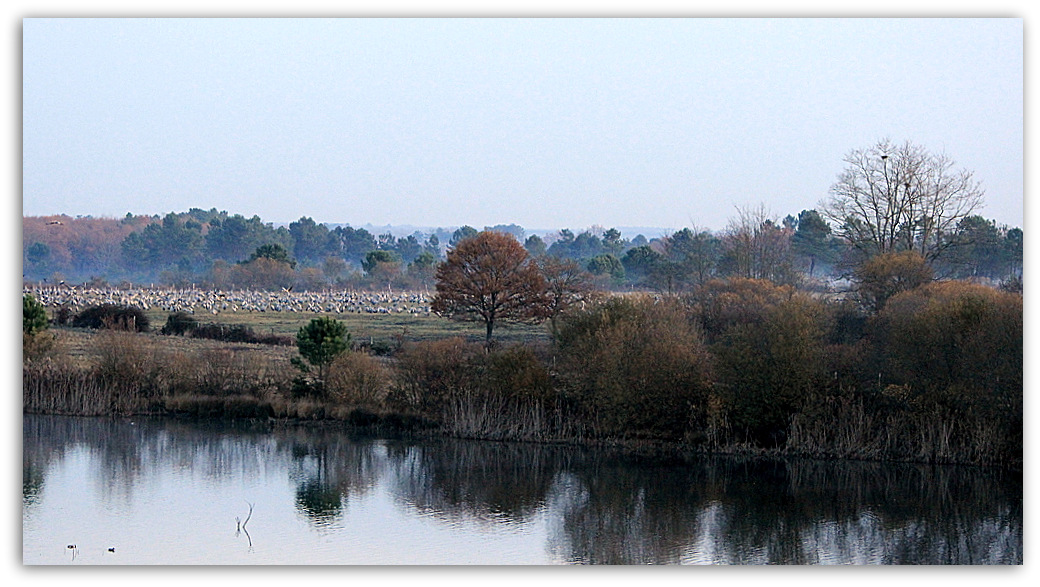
<point x="214" y="249"/>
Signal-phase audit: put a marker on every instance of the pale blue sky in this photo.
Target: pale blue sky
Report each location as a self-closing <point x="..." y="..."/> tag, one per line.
<point x="540" y="122"/>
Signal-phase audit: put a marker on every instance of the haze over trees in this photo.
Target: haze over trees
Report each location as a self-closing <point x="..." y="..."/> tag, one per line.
<point x="889" y="198"/>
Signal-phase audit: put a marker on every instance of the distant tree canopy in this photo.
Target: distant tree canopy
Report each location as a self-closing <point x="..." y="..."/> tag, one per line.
<point x="490" y="278"/>
<point x="374" y="258"/>
<point x="171" y="242"/>
<point x="274" y="252"/>
<point x="312" y="242"/>
<point x="606" y="264"/>
<point x="354" y="243"/>
<point x="889" y="198"/>
<point x="233" y="238"/>
<point x="812" y="242"/>
<point x="462" y="234"/>
<point x="535" y="246"/>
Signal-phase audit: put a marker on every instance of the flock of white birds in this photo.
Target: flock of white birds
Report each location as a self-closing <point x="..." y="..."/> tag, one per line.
<point x="197" y="301"/>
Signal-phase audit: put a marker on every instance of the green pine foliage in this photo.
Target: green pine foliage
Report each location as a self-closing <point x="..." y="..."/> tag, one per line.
<point x="34" y="316"/>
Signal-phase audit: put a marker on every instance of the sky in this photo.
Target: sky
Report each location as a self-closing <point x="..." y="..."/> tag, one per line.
<point x="546" y="123"/>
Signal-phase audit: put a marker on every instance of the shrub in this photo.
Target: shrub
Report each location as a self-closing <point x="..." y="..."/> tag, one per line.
<point x="958" y="348"/>
<point x="63" y="315"/>
<point x="516" y="373"/>
<point x="888" y="274"/>
<point x="723" y="303"/>
<point x="127" y="368"/>
<point x="636" y="365"/>
<point x="179" y="323"/>
<point x="429" y="373"/>
<point x="112" y="317"/>
<point x="951" y="332"/>
<point x="237" y="333"/>
<point x="767" y="370"/>
<point x="358" y="379"/>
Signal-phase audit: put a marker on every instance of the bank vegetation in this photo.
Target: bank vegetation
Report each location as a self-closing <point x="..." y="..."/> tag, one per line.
<point x="934" y="374"/>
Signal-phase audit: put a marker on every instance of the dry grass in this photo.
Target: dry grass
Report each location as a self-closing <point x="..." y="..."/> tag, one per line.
<point x="81" y="347"/>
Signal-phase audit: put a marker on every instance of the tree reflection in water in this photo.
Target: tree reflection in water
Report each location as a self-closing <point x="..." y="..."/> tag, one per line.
<point x="596" y="506"/>
<point x="329" y="468"/>
<point x="492" y="482"/>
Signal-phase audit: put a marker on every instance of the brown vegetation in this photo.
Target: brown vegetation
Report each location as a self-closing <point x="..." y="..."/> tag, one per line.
<point x="489" y="278"/>
<point x="736" y="365"/>
<point x="636" y="366"/>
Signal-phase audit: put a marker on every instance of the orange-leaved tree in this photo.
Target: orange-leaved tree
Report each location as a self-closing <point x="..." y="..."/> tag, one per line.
<point x="490" y="278"/>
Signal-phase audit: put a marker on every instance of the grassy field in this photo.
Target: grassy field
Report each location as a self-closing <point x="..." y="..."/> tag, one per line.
<point x="372" y="328"/>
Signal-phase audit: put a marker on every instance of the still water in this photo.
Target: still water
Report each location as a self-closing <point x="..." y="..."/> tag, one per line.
<point x="144" y="491"/>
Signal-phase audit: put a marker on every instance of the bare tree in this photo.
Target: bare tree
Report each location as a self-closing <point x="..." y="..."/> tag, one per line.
<point x="567" y="286"/>
<point x="490" y="278"/>
<point x="756" y="246"/>
<point x="895" y="198"/>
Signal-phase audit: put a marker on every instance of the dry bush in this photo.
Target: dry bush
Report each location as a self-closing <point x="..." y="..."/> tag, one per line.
<point x="636" y="365"/>
<point x="112" y="317"/>
<point x="358" y="379"/>
<point x="888" y="274"/>
<point x="516" y="373"/>
<point x="510" y="395"/>
<point x="429" y="373"/>
<point x="61" y="388"/>
<point x="38" y="347"/>
<point x="126" y="361"/>
<point x="769" y="369"/>
<point x="721" y="304"/>
<point x="221" y="372"/>
<point x="497" y="416"/>
<point x="958" y="348"/>
<point x="954" y="332"/>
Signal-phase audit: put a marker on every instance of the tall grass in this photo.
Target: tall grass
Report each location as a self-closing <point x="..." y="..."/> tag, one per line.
<point x="51" y="388"/>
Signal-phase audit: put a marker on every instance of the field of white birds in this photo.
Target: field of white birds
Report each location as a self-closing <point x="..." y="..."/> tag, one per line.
<point x="212" y="302"/>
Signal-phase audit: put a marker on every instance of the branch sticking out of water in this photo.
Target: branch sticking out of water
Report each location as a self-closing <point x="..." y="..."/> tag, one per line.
<point x="248" y="516"/>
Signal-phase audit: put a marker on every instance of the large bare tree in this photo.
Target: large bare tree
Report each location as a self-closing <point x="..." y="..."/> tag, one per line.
<point x="895" y="198"/>
<point x="490" y="277"/>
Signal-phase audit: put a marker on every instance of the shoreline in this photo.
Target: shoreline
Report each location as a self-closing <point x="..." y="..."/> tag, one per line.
<point x="651" y="449"/>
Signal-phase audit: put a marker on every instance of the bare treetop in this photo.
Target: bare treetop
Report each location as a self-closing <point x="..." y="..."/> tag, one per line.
<point x="900" y="197"/>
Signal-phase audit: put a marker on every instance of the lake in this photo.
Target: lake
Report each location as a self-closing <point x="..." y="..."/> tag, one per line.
<point x="140" y="491"/>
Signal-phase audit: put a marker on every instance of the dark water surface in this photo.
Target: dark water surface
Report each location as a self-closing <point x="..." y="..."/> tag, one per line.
<point x="173" y="492"/>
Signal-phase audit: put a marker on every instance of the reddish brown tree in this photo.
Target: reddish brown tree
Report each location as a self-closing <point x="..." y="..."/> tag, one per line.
<point x="490" y="278"/>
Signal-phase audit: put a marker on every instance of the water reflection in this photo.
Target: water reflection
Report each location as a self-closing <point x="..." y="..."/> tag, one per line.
<point x="486" y="482"/>
<point x="552" y="504"/>
<point x="329" y="468"/>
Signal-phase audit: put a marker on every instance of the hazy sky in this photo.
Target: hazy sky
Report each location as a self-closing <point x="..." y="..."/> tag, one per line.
<point x="547" y="123"/>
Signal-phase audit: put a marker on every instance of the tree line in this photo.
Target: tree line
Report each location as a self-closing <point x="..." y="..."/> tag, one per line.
<point x="221" y="250"/>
